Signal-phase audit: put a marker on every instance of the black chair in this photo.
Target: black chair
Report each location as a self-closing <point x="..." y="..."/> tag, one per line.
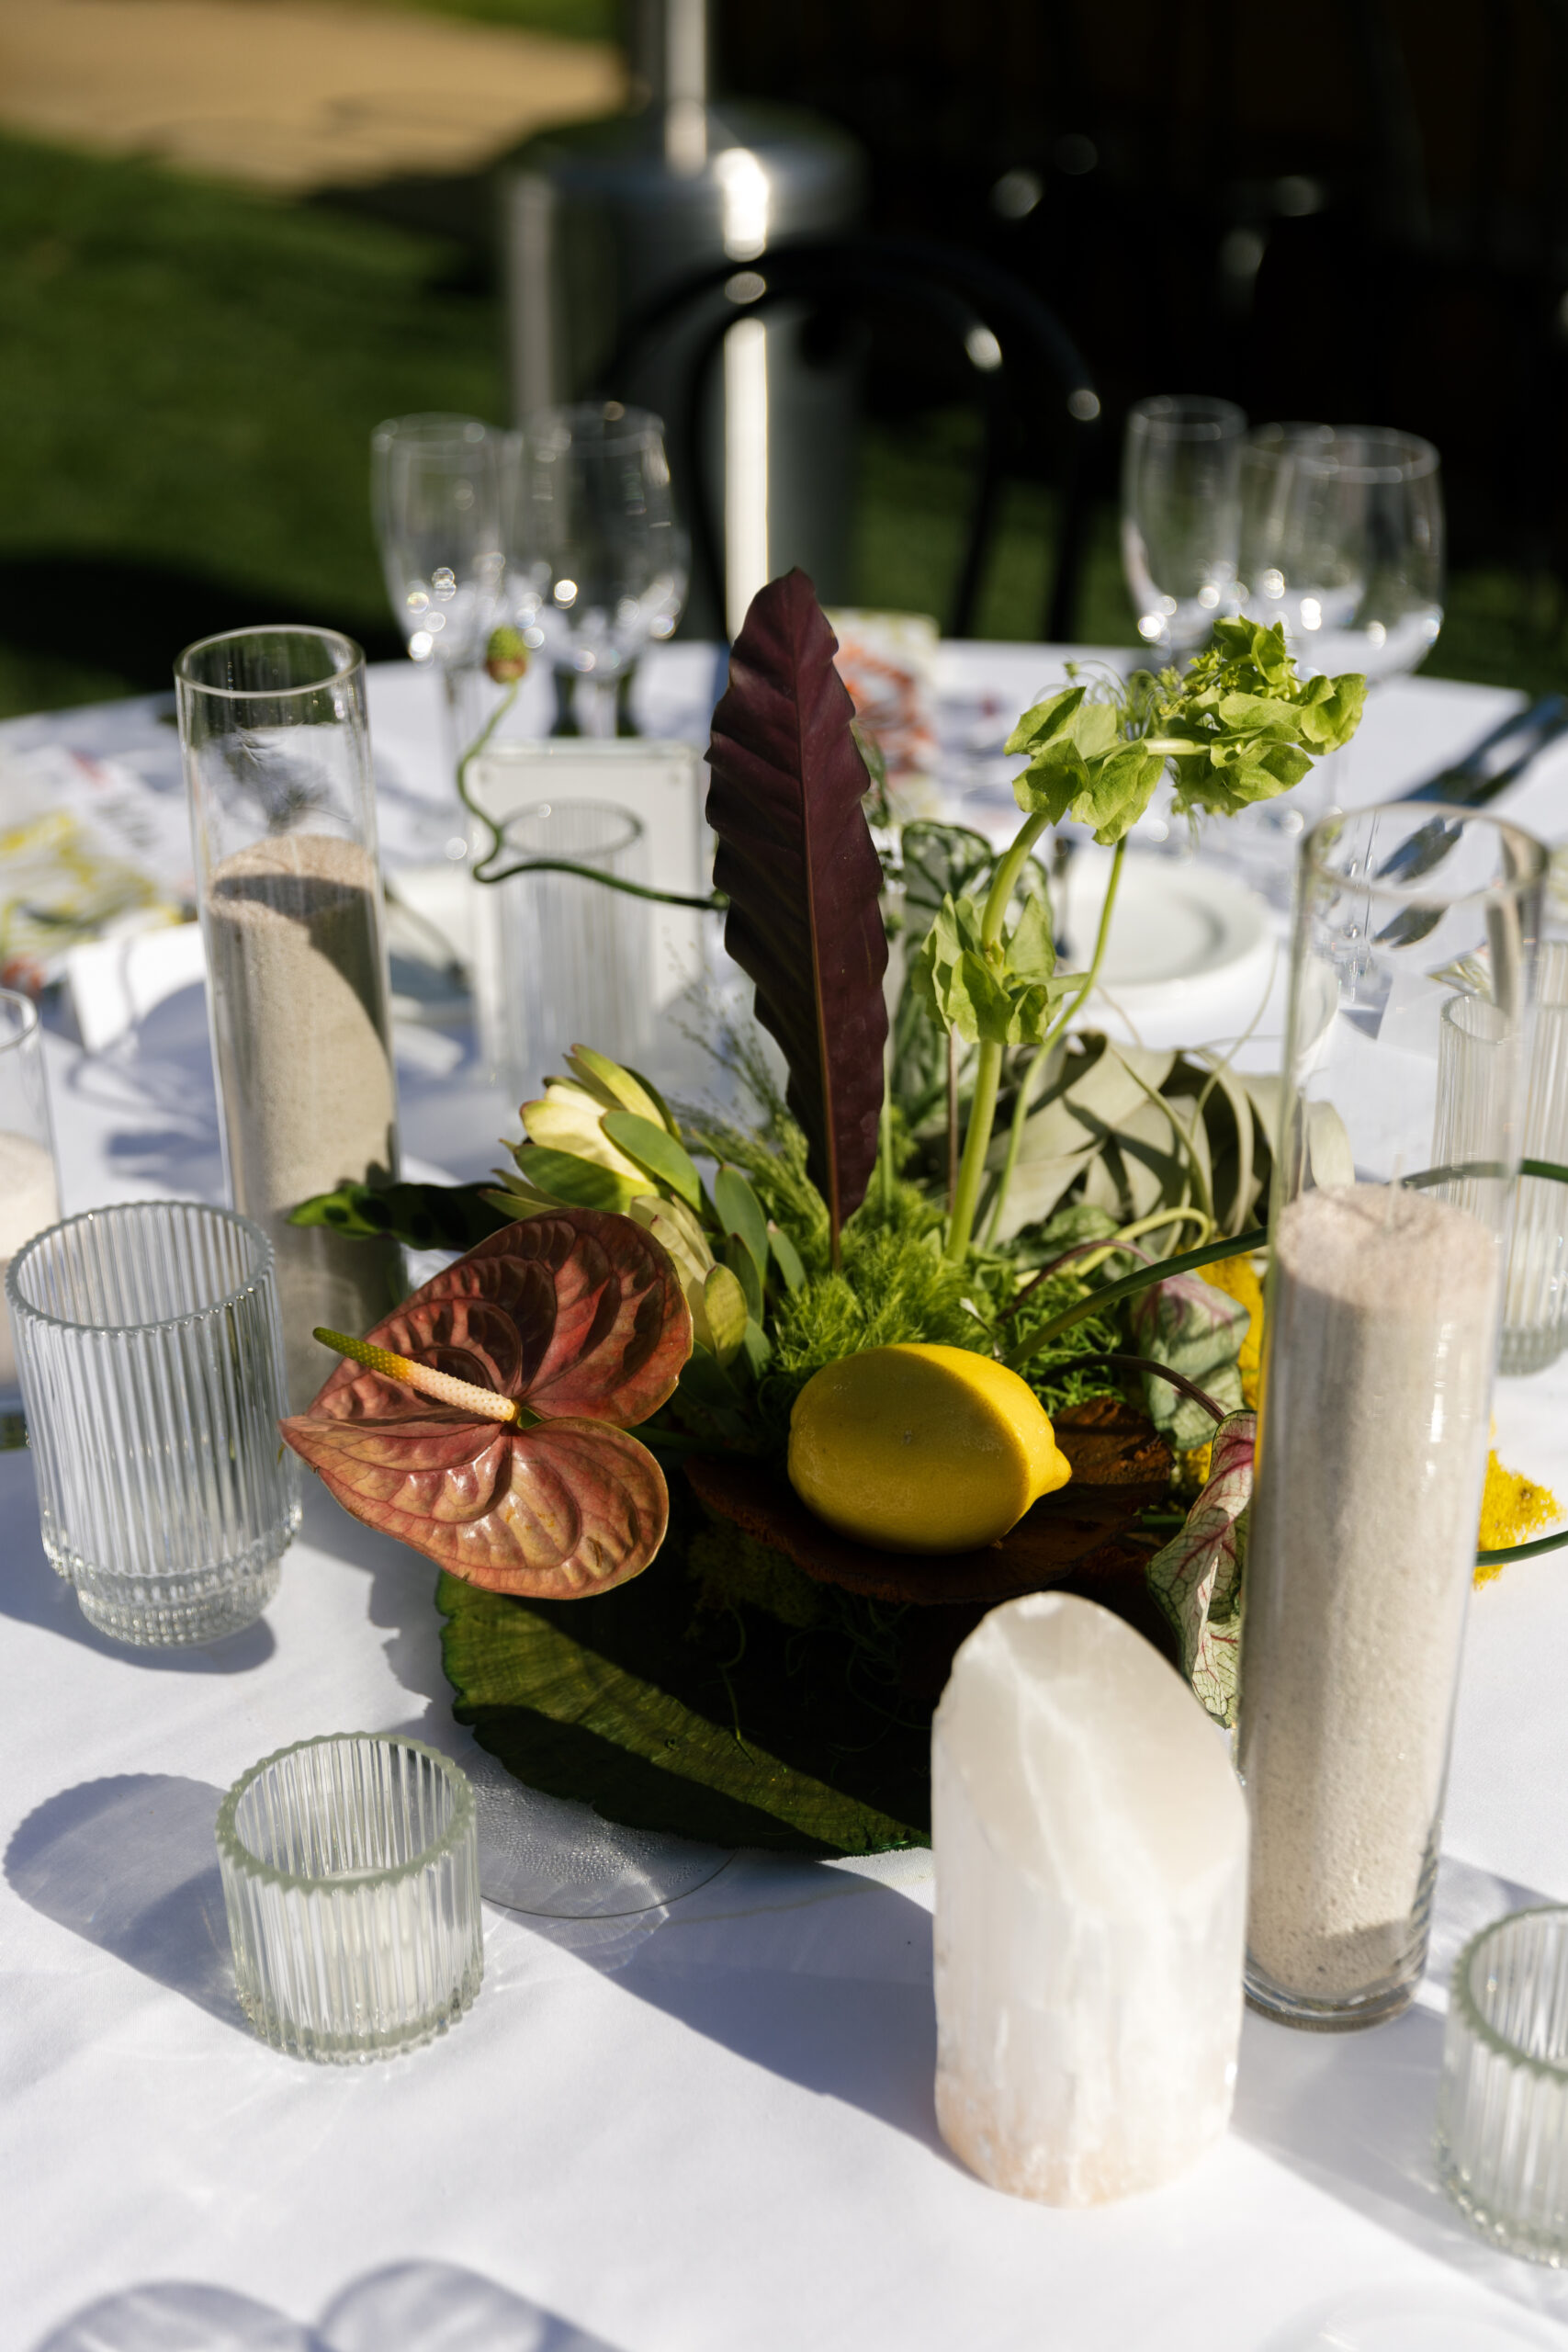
<point x="1019" y="364"/>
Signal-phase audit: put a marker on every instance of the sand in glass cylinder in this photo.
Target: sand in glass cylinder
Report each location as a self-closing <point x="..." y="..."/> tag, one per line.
<point x="302" y="1045"/>
<point x="283" y="824"/>
<point x="1390" y="1227"/>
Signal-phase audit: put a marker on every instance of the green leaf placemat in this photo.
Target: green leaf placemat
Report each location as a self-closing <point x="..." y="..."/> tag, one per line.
<point x="724" y="1724"/>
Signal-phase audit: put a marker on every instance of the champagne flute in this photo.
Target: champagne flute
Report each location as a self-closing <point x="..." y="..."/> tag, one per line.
<point x="599" y="561"/>
<point x="436" y="497"/>
<point x="1181" y="518"/>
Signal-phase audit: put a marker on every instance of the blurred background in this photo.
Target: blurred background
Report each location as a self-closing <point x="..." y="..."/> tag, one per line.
<point x="235" y="233"/>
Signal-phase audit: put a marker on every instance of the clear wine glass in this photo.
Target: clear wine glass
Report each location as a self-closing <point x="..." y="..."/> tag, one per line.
<point x="436" y="484"/>
<point x="599" y="562"/>
<point x="1181" y="518"/>
<point x="1342" y="538"/>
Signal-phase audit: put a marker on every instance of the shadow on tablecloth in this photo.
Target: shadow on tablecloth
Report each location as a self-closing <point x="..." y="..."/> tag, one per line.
<point x="130" y="1865"/>
<point x="836" y="2000"/>
<point x="34" y="1595"/>
<point x="412" y="2307"/>
<point x="1354" y="2113"/>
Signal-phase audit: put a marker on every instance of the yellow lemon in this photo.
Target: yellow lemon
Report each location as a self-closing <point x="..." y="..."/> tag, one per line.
<point x="922" y="1448"/>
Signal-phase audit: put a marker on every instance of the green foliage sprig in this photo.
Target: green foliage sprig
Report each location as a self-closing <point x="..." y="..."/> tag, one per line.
<point x="1237" y="727"/>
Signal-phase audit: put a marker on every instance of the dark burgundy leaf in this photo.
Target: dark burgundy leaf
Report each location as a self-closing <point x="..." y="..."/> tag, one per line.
<point x="797" y="860"/>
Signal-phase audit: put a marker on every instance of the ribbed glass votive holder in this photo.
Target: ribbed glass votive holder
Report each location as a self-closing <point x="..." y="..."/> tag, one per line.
<point x="1503" y="2108"/>
<point x="151" y="1359"/>
<point x="351" y="1877"/>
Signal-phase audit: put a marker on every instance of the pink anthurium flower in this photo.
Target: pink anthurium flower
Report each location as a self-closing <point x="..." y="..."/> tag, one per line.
<point x="554" y="1337"/>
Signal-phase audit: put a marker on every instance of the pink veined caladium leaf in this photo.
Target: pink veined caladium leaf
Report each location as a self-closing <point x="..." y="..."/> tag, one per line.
<point x="579" y="1317"/>
<point x="1197" y="1579"/>
<point x="1197" y="1329"/>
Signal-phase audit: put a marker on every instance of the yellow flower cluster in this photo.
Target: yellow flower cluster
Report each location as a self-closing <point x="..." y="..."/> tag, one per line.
<point x="1236" y="1278"/>
<point x="1513" y="1509"/>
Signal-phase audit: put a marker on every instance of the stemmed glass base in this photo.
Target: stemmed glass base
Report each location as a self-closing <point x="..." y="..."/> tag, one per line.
<point x="598" y="707"/>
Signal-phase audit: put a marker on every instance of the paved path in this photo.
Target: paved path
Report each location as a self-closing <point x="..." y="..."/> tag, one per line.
<point x="288" y="94"/>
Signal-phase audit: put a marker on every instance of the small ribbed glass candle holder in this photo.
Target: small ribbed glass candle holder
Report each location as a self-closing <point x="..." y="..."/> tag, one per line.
<point x="151" y="1359"/>
<point x="1502" y="2142"/>
<point x="351" y="1878"/>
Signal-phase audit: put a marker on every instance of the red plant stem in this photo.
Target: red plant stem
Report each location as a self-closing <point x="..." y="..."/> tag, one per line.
<point x="1161" y="1371"/>
<point x="1079" y="1250"/>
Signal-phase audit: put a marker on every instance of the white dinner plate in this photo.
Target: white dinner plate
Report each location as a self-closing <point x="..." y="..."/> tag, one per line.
<point x="1191" y="951"/>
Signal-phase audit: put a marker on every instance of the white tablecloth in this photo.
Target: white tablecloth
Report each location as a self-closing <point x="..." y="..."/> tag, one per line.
<point x="705" y="2130"/>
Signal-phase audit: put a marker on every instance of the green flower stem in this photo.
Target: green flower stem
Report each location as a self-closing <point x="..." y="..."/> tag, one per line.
<point x="1239" y="1245"/>
<point x="1005" y="880"/>
<point x="1024" y="1102"/>
<point x="481" y="744"/>
<point x="708" y="902"/>
<point x="988" y="1062"/>
<point x="1522" y="1550"/>
<point x="976" y="1143"/>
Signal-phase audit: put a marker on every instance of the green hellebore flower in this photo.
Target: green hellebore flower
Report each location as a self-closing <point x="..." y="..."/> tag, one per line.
<point x="506" y="656"/>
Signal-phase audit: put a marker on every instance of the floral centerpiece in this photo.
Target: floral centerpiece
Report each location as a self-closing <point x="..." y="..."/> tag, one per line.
<point x="1027" y="1243"/>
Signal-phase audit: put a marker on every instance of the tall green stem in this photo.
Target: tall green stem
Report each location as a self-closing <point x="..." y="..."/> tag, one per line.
<point x="977" y="1143"/>
<point x="988" y="1063"/>
<point x="1026" y="1091"/>
<point x="709" y="901"/>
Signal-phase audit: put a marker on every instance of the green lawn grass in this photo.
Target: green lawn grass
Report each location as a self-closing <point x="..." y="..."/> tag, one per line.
<point x="575" y="19"/>
<point x="191" y="374"/>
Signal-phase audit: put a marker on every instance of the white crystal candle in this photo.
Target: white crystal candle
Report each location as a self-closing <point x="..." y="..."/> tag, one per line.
<point x="1090" y="1847"/>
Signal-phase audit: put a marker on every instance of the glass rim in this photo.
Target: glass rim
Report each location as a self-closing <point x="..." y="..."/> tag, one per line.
<point x="247" y="1289"/>
<point x="1463" y="1001"/>
<point x="432" y="424"/>
<point x="1189" y="416"/>
<point x="1416" y="461"/>
<point x="564" y="420"/>
<point x="464" y="1818"/>
<point x="634" y="829"/>
<point x="1547" y="2069"/>
<point x="1420" y="892"/>
<point x="347" y="658"/>
<point x="31" y="1024"/>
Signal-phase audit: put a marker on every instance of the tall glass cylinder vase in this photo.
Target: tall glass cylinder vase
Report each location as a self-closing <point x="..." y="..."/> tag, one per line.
<point x="30" y="1190"/>
<point x="1535" y="1306"/>
<point x="283" y="824"/>
<point x="1382" y="1315"/>
<point x="575" y="956"/>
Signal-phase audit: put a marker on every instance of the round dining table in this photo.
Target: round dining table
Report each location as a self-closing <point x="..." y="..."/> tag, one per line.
<point x="706" y="2125"/>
